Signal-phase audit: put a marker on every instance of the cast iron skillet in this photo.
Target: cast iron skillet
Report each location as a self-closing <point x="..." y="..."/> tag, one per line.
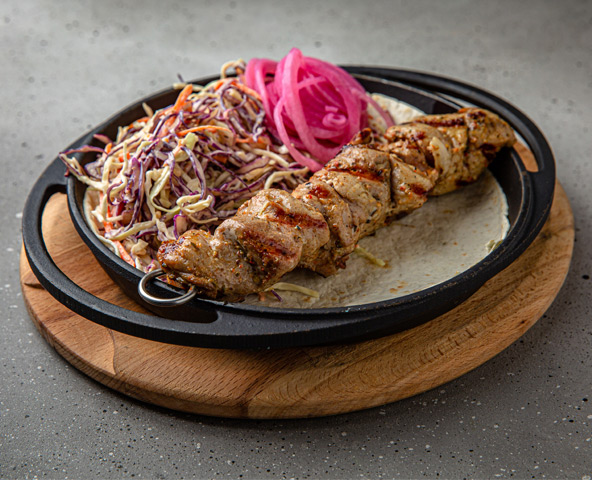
<point x="207" y="323"/>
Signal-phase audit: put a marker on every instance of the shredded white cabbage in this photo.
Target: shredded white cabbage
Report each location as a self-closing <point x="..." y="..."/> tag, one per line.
<point x="362" y="252"/>
<point x="291" y="287"/>
<point x="275" y="176"/>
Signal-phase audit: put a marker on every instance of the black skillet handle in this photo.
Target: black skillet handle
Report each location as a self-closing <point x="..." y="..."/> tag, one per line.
<point x="79" y="300"/>
<point x="53" y="180"/>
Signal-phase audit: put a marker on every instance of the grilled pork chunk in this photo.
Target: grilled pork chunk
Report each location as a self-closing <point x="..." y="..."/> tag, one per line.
<point x="318" y="226"/>
<point x="475" y="137"/>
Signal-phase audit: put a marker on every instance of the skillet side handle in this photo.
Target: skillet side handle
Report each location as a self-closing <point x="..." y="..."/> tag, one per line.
<point x="79" y="300"/>
<point x="53" y="180"/>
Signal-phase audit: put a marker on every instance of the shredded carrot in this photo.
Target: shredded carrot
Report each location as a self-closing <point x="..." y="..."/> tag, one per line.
<point x="177" y="107"/>
<point x="139" y="120"/>
<point x="220" y="158"/>
<point x="108" y="148"/>
<point x="245" y="140"/>
<point x="182" y="98"/>
<point x="247" y="90"/>
<point x="126" y="257"/>
<point x="211" y="128"/>
<point x="219" y="83"/>
<point x="261" y="142"/>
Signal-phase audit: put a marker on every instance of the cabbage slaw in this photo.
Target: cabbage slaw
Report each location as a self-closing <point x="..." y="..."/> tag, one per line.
<point x="192" y="164"/>
<point x="189" y="165"/>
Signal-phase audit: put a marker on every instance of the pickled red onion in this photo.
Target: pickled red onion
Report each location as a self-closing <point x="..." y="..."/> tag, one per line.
<point x="311" y="106"/>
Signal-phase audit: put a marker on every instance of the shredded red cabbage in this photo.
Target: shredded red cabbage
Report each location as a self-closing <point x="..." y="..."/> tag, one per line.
<point x="212" y="146"/>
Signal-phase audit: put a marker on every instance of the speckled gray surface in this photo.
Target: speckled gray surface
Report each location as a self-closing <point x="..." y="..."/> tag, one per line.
<point x="68" y="65"/>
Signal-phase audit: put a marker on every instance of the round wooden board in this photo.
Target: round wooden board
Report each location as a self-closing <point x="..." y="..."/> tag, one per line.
<point x="296" y="382"/>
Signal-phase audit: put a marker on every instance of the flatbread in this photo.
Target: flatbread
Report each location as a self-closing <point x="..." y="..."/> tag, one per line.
<point x="446" y="236"/>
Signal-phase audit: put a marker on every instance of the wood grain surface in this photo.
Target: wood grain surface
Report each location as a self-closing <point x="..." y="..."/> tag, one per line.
<point x="296" y="382"/>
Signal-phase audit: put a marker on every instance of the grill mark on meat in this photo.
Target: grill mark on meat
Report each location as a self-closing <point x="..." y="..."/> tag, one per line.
<point x="417" y="189"/>
<point x="280" y="215"/>
<point x="267" y="247"/>
<point x="418" y="135"/>
<point x="473" y="112"/>
<point x="456" y="121"/>
<point x="263" y="253"/>
<point x="489" y="151"/>
<point x="318" y="191"/>
<point x="359" y="172"/>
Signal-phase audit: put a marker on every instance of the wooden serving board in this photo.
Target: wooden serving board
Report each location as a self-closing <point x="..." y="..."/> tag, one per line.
<point x="296" y="382"/>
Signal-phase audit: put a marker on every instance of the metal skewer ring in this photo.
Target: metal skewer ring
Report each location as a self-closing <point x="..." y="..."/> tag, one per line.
<point x="163" y="302"/>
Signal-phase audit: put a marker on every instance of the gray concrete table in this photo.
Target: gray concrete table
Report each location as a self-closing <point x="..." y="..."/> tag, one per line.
<point x="66" y="66"/>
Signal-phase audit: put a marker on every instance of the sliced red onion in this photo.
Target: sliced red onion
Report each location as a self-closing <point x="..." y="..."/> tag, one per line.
<point x="311" y="105"/>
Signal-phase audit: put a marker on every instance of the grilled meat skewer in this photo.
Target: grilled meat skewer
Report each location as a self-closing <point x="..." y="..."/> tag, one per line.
<point x="318" y="226"/>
